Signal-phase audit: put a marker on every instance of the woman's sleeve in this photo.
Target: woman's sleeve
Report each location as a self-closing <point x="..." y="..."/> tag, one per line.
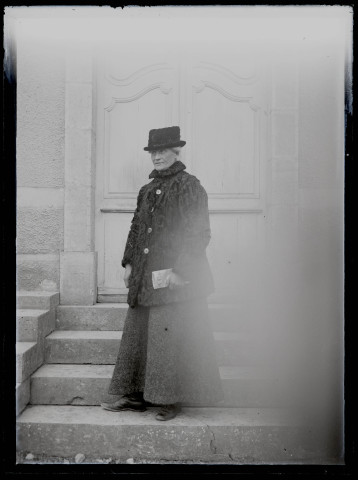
<point x="133" y="232"/>
<point x="193" y="204"/>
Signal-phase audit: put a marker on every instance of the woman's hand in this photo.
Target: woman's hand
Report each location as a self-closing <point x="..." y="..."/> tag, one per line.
<point x="176" y="281"/>
<point x="127" y="274"/>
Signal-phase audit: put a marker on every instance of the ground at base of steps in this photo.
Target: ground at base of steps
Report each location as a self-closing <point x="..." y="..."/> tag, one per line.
<point x="29" y="458"/>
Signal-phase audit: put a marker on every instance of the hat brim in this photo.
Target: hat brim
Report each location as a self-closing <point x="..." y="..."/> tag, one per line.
<point x="181" y="143"/>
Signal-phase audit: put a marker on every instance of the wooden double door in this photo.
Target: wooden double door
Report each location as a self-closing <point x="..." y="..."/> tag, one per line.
<point x="218" y="95"/>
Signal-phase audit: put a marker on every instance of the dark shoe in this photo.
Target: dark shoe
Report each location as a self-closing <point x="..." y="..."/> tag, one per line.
<point x="125" y="403"/>
<point x="167" y="412"/>
<point x="135" y="397"/>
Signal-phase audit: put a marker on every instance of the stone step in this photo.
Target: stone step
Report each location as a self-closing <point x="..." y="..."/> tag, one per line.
<point x="22" y="395"/>
<point x="215" y="435"/>
<point x="63" y="384"/>
<point x="40" y="300"/>
<point x="101" y="347"/>
<point x="31" y="324"/>
<point x="111" y="316"/>
<point x="93" y="347"/>
<point x="28" y="358"/>
<point x="102" y="316"/>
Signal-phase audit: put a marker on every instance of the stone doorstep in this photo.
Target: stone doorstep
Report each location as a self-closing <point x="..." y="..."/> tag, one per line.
<point x="111" y="316"/>
<point x="28" y="359"/>
<point x="22" y="395"/>
<point x="42" y="300"/>
<point x="101" y="347"/>
<point x="65" y="384"/>
<point x="247" y="435"/>
<point x="32" y="324"/>
<point x="101" y="316"/>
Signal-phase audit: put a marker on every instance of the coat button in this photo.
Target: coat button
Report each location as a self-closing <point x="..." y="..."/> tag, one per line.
<point x="150" y="230"/>
<point x="158" y="192"/>
<point x="146" y="250"/>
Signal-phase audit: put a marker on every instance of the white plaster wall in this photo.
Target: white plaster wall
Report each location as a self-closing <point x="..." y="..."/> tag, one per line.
<point x="40" y="161"/>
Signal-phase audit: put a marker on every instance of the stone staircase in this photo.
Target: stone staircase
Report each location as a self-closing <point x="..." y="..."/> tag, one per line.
<point x="63" y="417"/>
<point x="35" y="319"/>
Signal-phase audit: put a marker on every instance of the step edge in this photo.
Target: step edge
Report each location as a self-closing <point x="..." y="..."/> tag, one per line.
<point x="31" y="312"/>
<point x="86" y="334"/>
<point x="36" y="414"/>
<point x="23" y="347"/>
<point x="53" y="370"/>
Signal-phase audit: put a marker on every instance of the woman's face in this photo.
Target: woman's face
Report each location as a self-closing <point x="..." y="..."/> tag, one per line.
<point x="163" y="159"/>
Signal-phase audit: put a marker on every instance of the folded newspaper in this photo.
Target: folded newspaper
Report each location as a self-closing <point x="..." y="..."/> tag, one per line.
<point x="160" y="278"/>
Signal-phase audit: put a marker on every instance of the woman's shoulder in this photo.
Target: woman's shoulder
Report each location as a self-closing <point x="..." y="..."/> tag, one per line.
<point x="192" y="182"/>
<point x="189" y="179"/>
<point x="191" y="189"/>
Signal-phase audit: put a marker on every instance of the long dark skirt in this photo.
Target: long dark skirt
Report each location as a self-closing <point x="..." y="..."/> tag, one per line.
<point x="168" y="353"/>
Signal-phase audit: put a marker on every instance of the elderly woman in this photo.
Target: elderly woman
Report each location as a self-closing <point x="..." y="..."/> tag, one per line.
<point x="167" y="354"/>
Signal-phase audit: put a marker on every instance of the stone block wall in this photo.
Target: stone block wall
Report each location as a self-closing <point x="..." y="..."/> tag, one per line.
<point x="40" y="163"/>
<point x="79" y="260"/>
<point x="55" y="167"/>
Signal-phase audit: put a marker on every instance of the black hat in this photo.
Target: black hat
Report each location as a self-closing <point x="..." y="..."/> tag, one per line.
<point x="161" y="138"/>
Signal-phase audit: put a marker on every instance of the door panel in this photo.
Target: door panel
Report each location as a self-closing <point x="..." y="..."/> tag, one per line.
<point x="115" y="228"/>
<point x="132" y="103"/>
<point x="126" y="128"/>
<point x="220" y="105"/>
<point x="230" y="151"/>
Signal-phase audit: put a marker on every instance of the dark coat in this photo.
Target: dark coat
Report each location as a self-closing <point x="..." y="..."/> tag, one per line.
<point x="170" y="229"/>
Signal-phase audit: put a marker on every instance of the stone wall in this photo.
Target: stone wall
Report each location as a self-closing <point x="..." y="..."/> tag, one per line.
<point x="55" y="167"/>
<point x="40" y="163"/>
<point x="79" y="259"/>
